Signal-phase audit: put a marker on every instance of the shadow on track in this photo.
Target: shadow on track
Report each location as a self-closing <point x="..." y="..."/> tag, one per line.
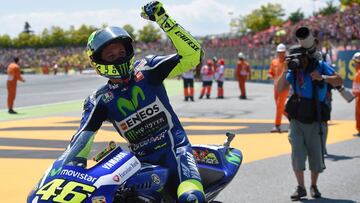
<point x="334" y="157"/>
<point x="327" y="200"/>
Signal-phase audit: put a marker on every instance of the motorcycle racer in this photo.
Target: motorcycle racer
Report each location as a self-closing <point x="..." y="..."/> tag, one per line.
<point x="135" y="101"/>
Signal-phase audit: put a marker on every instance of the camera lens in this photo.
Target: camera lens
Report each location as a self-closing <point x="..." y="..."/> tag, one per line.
<point x="294" y="64"/>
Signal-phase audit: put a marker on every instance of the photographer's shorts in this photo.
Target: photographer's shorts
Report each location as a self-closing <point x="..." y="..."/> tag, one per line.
<point x="305" y="143"/>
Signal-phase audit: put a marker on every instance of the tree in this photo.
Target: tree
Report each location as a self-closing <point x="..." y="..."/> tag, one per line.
<point x="268" y="15"/>
<point x="296" y="16"/>
<point x="329" y="9"/>
<point x="26" y="40"/>
<point x="130" y="29"/>
<point x="45" y="38"/>
<point x="349" y="2"/>
<point x="27" y="28"/>
<point x="238" y="25"/>
<point x="5" y="41"/>
<point x="58" y="36"/>
<point x="80" y="36"/>
<point x="149" y="33"/>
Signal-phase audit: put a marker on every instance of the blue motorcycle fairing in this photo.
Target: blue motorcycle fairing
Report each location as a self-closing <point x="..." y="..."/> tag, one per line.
<point x="100" y="180"/>
<point x="217" y="165"/>
<point x="149" y="182"/>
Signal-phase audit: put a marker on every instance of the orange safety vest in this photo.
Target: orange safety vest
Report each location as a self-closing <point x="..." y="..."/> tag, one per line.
<point x="14" y="74"/>
<point x="356" y="83"/>
<point x="276" y="69"/>
<point x="242" y="69"/>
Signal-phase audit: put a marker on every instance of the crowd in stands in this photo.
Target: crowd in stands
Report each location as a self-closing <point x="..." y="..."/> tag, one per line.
<point x="341" y="29"/>
<point x="45" y="57"/>
<point x="338" y="29"/>
<point x="69" y="57"/>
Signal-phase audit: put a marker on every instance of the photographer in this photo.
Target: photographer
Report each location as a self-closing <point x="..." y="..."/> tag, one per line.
<point x="307" y="113"/>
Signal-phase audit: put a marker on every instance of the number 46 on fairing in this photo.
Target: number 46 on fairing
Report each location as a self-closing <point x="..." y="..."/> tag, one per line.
<point x="64" y="192"/>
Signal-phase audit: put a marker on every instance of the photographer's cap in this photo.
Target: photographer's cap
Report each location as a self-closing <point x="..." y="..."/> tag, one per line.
<point x="281" y="48"/>
<point x="356" y="57"/>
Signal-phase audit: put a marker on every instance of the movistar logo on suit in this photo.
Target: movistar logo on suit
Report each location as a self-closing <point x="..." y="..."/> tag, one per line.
<point x="130" y="105"/>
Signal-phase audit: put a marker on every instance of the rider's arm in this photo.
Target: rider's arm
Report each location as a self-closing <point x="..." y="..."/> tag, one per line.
<point x="189" y="51"/>
<point x="92" y="119"/>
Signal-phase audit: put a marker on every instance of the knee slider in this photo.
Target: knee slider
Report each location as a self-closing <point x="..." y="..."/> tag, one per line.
<point x="190" y="191"/>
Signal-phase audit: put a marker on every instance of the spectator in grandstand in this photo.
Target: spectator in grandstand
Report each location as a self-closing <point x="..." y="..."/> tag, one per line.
<point x="207" y="74"/>
<point x="219" y="77"/>
<point x="14" y="74"/>
<point x="356" y="91"/>
<point x="242" y="73"/>
<point x="276" y="68"/>
<point x="188" y="78"/>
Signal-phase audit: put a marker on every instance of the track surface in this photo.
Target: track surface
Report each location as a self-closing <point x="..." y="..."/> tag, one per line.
<point x="50" y="108"/>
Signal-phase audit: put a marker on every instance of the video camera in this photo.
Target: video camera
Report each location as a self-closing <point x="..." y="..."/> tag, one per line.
<point x="294" y="59"/>
<point x="306" y="47"/>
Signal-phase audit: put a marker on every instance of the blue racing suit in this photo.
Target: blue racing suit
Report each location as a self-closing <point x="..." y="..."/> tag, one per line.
<point x="141" y="113"/>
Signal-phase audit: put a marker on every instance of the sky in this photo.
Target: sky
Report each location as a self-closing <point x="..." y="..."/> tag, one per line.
<point x="199" y="17"/>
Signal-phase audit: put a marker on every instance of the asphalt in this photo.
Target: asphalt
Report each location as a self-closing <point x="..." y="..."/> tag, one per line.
<point x="265" y="178"/>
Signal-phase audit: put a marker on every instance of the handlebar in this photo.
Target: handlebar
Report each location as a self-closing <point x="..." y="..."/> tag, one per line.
<point x="230" y="136"/>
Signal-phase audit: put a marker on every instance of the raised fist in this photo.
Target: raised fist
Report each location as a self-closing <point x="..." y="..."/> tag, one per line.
<point x="153" y="11"/>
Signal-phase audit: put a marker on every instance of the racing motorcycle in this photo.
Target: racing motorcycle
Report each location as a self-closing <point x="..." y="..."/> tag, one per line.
<point x="118" y="176"/>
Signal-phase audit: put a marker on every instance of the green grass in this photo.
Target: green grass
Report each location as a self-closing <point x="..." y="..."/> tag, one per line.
<point x="173" y="88"/>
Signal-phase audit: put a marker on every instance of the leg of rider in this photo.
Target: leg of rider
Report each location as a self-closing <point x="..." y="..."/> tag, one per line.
<point x="178" y="157"/>
<point x="190" y="188"/>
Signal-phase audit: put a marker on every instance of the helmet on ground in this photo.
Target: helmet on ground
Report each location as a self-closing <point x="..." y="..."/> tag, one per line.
<point x="356" y="57"/>
<point x="241" y="55"/>
<point x="98" y="40"/>
<point x="281" y="48"/>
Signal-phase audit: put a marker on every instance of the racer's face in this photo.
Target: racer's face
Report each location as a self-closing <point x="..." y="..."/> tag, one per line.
<point x="113" y="52"/>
